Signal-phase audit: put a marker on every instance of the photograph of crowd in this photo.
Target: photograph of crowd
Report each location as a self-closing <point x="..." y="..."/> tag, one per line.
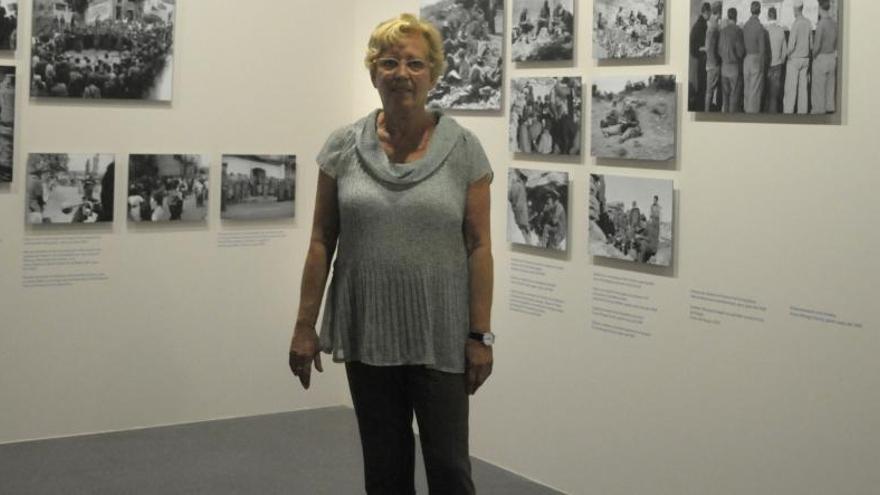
<point x="7" y="122"/>
<point x="120" y="49"/>
<point x="69" y="188"/>
<point x="257" y="187"/>
<point x="473" y="42"/>
<point x="8" y="24"/>
<point x="537" y="208"/>
<point x="634" y="117"/>
<point x="543" y="30"/>
<point x="546" y="116"/>
<point x="769" y="56"/>
<point x="168" y="188"/>
<point x="631" y="219"/>
<point x="628" y="28"/>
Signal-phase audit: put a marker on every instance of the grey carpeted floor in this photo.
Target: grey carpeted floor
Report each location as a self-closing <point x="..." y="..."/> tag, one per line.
<point x="306" y="452"/>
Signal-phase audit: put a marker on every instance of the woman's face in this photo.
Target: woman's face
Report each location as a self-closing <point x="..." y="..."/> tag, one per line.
<point x="405" y="85"/>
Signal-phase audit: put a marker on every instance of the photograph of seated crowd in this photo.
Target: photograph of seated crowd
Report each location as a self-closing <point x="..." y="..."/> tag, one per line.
<point x="168" y="188"/>
<point x="628" y="29"/>
<point x="631" y="219"/>
<point x="7" y="122"/>
<point x="472" y="32"/>
<point x="121" y="49"/>
<point x="65" y="188"/>
<point x="769" y="56"/>
<point x="8" y="24"/>
<point x="537" y="208"/>
<point x="257" y="187"/>
<point x="542" y="33"/>
<point x="546" y="115"/>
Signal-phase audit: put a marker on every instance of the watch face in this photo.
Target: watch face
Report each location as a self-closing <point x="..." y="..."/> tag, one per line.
<point x="489" y="338"/>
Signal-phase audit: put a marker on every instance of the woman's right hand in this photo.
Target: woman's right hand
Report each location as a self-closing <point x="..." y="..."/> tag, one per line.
<point x="304" y="348"/>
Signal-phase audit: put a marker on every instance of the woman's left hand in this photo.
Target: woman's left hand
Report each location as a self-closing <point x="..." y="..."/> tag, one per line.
<point x="479" y="364"/>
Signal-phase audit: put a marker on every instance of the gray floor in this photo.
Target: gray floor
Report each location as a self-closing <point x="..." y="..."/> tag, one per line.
<point x="307" y="452"/>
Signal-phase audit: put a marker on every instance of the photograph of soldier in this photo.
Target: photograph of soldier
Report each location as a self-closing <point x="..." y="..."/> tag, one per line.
<point x="634" y="117"/>
<point x="258" y="187"/>
<point x="473" y="44"/>
<point x="546" y="115"/>
<point x="168" y="188"/>
<point x="7" y="122"/>
<point x="120" y="49"/>
<point x="768" y="56"/>
<point x="8" y="24"/>
<point x="631" y="219"/>
<point x="69" y="188"/>
<point x="628" y="28"/>
<point x="537" y="208"/>
<point x="543" y="30"/>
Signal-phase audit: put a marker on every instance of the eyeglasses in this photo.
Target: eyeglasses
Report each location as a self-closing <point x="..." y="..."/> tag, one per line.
<point x="415" y="66"/>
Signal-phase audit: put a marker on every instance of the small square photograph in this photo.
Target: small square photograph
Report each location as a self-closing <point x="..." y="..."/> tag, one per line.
<point x="8" y="24"/>
<point x="70" y="188"/>
<point x="624" y="29"/>
<point x="543" y="30"/>
<point x="168" y="188"/>
<point x="546" y="116"/>
<point x="110" y="49"/>
<point x="258" y="187"/>
<point x="634" y="117"/>
<point x="473" y="41"/>
<point x="537" y="208"/>
<point x="631" y="219"/>
<point x="7" y="122"/>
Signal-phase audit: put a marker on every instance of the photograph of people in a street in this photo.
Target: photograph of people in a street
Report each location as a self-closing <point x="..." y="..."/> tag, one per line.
<point x="545" y="115"/>
<point x="473" y="41"/>
<point x="634" y="117"/>
<point x="631" y="219"/>
<point x="69" y="188"/>
<point x="543" y="30"/>
<point x="258" y="187"/>
<point x="7" y="122"/>
<point x="537" y="208"/>
<point x="119" y="49"/>
<point x="8" y="24"/>
<point x="769" y="56"/>
<point x="168" y="188"/>
<point x="628" y="29"/>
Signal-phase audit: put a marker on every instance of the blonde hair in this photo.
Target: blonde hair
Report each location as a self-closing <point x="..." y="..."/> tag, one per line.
<point x="390" y="33"/>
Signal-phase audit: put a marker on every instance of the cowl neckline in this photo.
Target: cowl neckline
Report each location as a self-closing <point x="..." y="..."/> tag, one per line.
<point x="443" y="140"/>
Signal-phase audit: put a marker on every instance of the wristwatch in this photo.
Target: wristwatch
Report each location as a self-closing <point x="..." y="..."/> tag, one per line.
<point x="486" y="338"/>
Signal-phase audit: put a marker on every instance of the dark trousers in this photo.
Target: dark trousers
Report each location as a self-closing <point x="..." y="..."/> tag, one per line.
<point x="385" y="398"/>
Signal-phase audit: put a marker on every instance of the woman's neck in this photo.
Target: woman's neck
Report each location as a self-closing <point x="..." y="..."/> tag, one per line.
<point x="404" y="128"/>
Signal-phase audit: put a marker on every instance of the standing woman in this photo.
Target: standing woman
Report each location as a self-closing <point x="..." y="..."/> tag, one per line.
<point x="403" y="202"/>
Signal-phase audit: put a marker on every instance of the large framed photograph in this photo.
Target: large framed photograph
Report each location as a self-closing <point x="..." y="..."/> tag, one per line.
<point x="8" y="24"/>
<point x="7" y="122"/>
<point x="537" y="208"/>
<point x="258" y="187"/>
<point x="629" y="29"/>
<point x="473" y="40"/>
<point x="543" y="31"/>
<point x="634" y="117"/>
<point x="70" y="188"/>
<point x="112" y="49"/>
<point x="769" y="56"/>
<point x="168" y="188"/>
<point x="546" y="115"/>
<point x="631" y="219"/>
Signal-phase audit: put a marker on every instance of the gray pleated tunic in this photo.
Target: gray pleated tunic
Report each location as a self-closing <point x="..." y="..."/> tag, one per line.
<point x="399" y="290"/>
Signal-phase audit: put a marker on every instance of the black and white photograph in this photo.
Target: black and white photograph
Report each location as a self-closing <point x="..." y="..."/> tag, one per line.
<point x="634" y="117"/>
<point x="543" y="30"/>
<point x="546" y="115"/>
<point x="168" y="188"/>
<point x="626" y="29"/>
<point x="769" y="56"/>
<point x="8" y="24"/>
<point x="70" y="188"/>
<point x="473" y="41"/>
<point x="631" y="219"/>
<point x="7" y="122"/>
<point x="258" y="187"/>
<point x="537" y="208"/>
<point x="110" y="49"/>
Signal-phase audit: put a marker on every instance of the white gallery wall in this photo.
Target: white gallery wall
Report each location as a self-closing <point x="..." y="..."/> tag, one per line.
<point x="778" y="216"/>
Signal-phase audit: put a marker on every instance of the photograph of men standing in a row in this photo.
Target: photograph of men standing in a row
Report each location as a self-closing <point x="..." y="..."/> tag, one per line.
<point x="766" y="56"/>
